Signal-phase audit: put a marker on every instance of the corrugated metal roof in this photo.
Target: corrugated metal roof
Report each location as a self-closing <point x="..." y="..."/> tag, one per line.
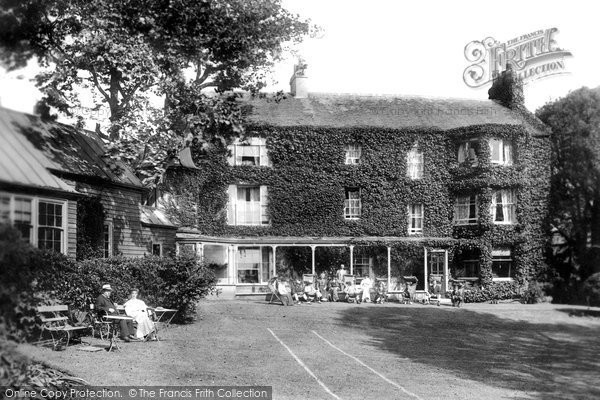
<point x="394" y="112"/>
<point x="21" y="163"/>
<point x="55" y="146"/>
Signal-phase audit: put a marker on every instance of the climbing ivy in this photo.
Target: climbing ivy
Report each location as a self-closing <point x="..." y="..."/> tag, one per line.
<point x="307" y="181"/>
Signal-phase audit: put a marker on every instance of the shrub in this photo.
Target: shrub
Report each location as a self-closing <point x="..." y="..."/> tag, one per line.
<point x="30" y="277"/>
<point x="534" y="293"/>
<point x="591" y="289"/>
<point x="493" y="291"/>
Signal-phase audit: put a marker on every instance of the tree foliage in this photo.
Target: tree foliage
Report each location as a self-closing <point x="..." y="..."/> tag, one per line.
<point x="575" y="200"/>
<point x="123" y="52"/>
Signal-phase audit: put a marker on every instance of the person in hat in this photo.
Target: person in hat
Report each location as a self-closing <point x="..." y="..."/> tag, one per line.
<point x="104" y="306"/>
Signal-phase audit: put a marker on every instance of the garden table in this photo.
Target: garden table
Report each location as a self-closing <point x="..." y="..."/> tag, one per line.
<point x="113" y="329"/>
<point x="164" y="316"/>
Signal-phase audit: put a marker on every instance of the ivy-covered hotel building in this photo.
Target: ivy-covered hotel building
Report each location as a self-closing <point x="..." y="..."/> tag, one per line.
<point x="390" y="186"/>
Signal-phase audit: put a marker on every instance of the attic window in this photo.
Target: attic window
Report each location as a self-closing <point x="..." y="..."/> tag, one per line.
<point x="353" y="154"/>
<point x="467" y="153"/>
<point x="501" y="152"/>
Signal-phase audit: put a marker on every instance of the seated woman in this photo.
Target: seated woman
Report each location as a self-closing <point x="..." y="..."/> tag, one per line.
<point x="285" y="291"/>
<point x="351" y="292"/>
<point x="335" y="287"/>
<point x="380" y="292"/>
<point x="138" y="310"/>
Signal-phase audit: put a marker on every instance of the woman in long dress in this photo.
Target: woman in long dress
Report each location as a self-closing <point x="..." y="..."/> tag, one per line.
<point x="138" y="310"/>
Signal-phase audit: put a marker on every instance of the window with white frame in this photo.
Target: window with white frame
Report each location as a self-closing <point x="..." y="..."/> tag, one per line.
<point x="253" y="264"/>
<point x="467" y="264"/>
<point x="414" y="163"/>
<point x="467" y="153"/>
<point x="108" y="239"/>
<point x="501" y="152"/>
<point x="361" y="265"/>
<point x="465" y="210"/>
<point x="415" y="219"/>
<point x="252" y="151"/>
<point x="503" y="206"/>
<point x="352" y="205"/>
<point x="437" y="261"/>
<point x="502" y="264"/>
<point x="353" y="153"/>
<point x="247" y="205"/>
<point x="42" y="222"/>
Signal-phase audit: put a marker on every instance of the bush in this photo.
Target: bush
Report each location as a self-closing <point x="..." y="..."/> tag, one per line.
<point x="535" y="293"/>
<point x="30" y="277"/>
<point x="495" y="291"/>
<point x="591" y="289"/>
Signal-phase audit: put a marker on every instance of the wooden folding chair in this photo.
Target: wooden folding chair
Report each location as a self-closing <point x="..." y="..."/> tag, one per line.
<point x="274" y="293"/>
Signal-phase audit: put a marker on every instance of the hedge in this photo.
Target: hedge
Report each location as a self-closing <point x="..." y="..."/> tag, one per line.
<point x="30" y="277"/>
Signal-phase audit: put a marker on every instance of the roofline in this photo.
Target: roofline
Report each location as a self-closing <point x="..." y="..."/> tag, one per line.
<point x="38" y="190"/>
<point x="94" y="179"/>
<point x="151" y="225"/>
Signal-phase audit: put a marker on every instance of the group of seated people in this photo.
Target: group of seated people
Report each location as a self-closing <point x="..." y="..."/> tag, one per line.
<point x="140" y="327"/>
<point x="293" y="291"/>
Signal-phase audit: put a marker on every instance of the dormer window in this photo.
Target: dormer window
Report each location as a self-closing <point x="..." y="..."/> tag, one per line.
<point x="353" y="154"/>
<point x="250" y="152"/>
<point x="501" y="152"/>
<point x="467" y="153"/>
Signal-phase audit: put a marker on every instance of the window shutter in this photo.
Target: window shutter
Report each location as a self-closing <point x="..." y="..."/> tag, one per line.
<point x="264" y="203"/>
<point x="231" y="155"/>
<point x="462" y="153"/>
<point x="264" y="156"/>
<point x="493" y="206"/>
<point x="231" y="204"/>
<point x="508" y="154"/>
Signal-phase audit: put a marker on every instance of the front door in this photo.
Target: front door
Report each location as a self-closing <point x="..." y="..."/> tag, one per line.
<point x="436" y="266"/>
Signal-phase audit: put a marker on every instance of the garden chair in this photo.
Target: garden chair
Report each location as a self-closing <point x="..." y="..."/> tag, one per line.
<point x="97" y="323"/>
<point x="273" y="289"/>
<point x="55" y="319"/>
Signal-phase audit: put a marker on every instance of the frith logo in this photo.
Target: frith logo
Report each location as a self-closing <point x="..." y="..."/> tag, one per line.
<point x="532" y="56"/>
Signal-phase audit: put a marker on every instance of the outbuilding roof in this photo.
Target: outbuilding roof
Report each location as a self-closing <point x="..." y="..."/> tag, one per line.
<point x="33" y="149"/>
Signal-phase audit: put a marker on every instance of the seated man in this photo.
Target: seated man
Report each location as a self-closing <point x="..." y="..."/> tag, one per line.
<point x="104" y="306"/>
<point x="335" y="287"/>
<point x="406" y="294"/>
<point x="311" y="291"/>
<point x="298" y="291"/>
<point x="351" y="292"/>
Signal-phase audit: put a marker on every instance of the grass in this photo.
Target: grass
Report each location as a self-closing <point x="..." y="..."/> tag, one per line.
<point x="478" y="351"/>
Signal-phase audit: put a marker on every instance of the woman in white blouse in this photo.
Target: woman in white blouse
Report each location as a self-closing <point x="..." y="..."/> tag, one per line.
<point x="138" y="310"/>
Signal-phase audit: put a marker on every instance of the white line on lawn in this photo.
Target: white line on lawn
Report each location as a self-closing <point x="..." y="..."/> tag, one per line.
<point x="304" y="366"/>
<point x="371" y="369"/>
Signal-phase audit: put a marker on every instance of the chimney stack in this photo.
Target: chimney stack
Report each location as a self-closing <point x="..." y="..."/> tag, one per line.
<point x="507" y="89"/>
<point x="299" y="81"/>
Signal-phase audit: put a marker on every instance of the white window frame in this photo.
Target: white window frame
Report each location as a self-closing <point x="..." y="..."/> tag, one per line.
<point x="234" y="208"/>
<point x="503" y="254"/>
<point x="352" y="203"/>
<point x="505" y="152"/>
<point x="160" y="248"/>
<point x="107" y="224"/>
<point x="460" y="202"/>
<point x="353" y="154"/>
<point x="415" y="213"/>
<point x="414" y="163"/>
<point x="509" y="203"/>
<point x="35" y="202"/>
<point x="467" y="153"/>
<point x="236" y="150"/>
<point x="263" y="267"/>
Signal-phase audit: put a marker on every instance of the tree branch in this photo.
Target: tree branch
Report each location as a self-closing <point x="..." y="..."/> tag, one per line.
<point x="97" y="84"/>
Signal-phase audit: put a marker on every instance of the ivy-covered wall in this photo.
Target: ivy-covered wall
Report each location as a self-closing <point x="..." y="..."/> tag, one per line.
<point x="307" y="181"/>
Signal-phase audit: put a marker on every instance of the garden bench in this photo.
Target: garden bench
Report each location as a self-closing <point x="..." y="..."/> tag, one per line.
<point x="55" y="319"/>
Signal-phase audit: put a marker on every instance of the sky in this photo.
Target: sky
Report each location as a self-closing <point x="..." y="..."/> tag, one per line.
<point x="412" y="48"/>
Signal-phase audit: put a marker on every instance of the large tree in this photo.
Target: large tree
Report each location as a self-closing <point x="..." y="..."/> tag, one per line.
<point x="575" y="196"/>
<point x="123" y="52"/>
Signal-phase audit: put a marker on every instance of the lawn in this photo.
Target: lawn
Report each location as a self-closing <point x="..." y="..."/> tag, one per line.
<point x="348" y="351"/>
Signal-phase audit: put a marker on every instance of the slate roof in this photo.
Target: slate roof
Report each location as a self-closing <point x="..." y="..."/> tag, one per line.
<point x="394" y="112"/>
<point x="33" y="149"/>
